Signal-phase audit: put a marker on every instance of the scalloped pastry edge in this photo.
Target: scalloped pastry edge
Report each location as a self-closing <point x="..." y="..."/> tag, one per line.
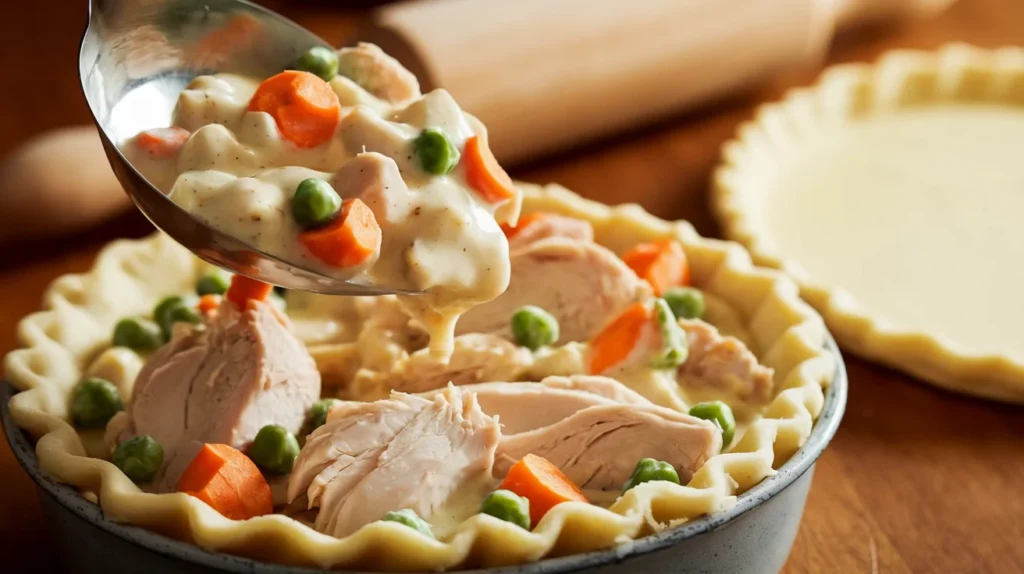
<point x="956" y="72"/>
<point x="791" y="337"/>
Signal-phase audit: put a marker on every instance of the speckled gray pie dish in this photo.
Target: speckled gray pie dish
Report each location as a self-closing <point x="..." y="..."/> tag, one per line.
<point x="753" y="537"/>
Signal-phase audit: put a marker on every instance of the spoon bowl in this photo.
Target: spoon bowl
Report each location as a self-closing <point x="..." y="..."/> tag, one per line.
<point x="135" y="58"/>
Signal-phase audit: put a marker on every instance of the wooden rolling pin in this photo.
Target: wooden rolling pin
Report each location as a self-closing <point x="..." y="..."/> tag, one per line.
<point x="541" y="74"/>
<point x="544" y="75"/>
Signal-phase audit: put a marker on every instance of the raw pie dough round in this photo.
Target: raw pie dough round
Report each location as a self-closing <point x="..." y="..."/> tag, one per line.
<point x="895" y="194"/>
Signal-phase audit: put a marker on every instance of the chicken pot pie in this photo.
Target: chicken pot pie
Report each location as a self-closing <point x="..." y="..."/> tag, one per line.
<point x="626" y="377"/>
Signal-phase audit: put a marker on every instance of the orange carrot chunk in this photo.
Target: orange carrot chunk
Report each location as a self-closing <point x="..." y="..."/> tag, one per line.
<point x="484" y="174"/>
<point x="351" y="239"/>
<point x="304" y="107"/>
<point x="537" y="480"/>
<point x="245" y="477"/>
<point x="221" y="496"/>
<point x="208" y="303"/>
<point x="617" y="339"/>
<point x="162" y="143"/>
<point x="524" y="222"/>
<point x="244" y="289"/>
<point x="228" y="481"/>
<point x="663" y="264"/>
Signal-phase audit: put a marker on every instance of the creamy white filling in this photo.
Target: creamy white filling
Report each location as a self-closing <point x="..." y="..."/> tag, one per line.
<point x="238" y="173"/>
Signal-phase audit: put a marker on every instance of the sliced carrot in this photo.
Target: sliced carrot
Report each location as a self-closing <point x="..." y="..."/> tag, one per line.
<point x="617" y="339"/>
<point x="222" y="497"/>
<point x="537" y="480"/>
<point x="208" y="303"/>
<point x="246" y="478"/>
<point x="304" y="107"/>
<point x="484" y="174"/>
<point x="207" y="464"/>
<point x="162" y="143"/>
<point x="524" y="221"/>
<point x="351" y="239"/>
<point x="244" y="289"/>
<point x="228" y="481"/>
<point x="663" y="264"/>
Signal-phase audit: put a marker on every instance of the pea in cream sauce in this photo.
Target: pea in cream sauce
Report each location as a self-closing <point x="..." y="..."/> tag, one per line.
<point x="238" y="174"/>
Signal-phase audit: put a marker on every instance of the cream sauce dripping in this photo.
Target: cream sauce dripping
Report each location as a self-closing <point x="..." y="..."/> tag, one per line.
<point x="238" y="174"/>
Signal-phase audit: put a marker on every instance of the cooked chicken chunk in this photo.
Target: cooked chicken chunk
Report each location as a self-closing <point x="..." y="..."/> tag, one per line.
<point x="219" y="385"/>
<point x="402" y="452"/>
<point x="521" y="407"/>
<point x="476" y="358"/>
<point x="550" y="225"/>
<point x="355" y="435"/>
<point x="722" y="364"/>
<point x="598" y="447"/>
<point x="375" y="179"/>
<point x="378" y="73"/>
<point x="603" y="386"/>
<point x="581" y="283"/>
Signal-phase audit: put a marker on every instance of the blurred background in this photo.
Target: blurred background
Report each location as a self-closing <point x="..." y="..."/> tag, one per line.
<point x="717" y="61"/>
<point x="658" y="104"/>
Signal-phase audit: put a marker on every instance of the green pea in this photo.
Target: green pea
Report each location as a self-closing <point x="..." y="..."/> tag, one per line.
<point x="162" y="313"/>
<point x="649" y="469"/>
<point x="318" y="413"/>
<point x="315" y="203"/>
<point x="137" y="334"/>
<point x="718" y="413"/>
<point x="320" y="61"/>
<point x="274" y="449"/>
<point x="508" y="506"/>
<point x="139" y="458"/>
<point x="675" y="347"/>
<point x="213" y="283"/>
<point x="184" y="314"/>
<point x="94" y="402"/>
<point x="534" y="327"/>
<point x="434" y="152"/>
<point x="174" y="309"/>
<point x="408" y="517"/>
<point x="685" y="302"/>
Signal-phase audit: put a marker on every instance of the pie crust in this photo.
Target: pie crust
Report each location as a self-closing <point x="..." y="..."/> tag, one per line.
<point x="893" y="194"/>
<point x="129" y="276"/>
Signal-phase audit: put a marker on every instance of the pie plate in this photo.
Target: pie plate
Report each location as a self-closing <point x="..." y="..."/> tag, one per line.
<point x="739" y="513"/>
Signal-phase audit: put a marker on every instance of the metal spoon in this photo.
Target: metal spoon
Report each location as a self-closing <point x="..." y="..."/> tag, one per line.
<point x="137" y="56"/>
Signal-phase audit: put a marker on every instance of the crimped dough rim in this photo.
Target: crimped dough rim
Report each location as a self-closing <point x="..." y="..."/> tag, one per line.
<point x="790" y="336"/>
<point x="901" y="79"/>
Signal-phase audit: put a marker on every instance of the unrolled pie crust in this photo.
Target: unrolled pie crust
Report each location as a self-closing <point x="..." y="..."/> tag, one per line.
<point x="894" y="194"/>
<point x="60" y="345"/>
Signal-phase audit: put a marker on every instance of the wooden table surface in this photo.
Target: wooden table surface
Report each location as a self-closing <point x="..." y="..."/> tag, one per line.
<point x="917" y="480"/>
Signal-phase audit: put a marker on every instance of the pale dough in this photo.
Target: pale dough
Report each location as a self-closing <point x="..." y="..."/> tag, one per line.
<point x="917" y="213"/>
<point x="893" y="192"/>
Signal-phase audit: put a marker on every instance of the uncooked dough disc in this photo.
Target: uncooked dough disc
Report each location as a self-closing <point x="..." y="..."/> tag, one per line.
<point x="895" y="194"/>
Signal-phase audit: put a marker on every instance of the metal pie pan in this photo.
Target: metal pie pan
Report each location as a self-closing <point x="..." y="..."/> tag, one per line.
<point x="755" y="536"/>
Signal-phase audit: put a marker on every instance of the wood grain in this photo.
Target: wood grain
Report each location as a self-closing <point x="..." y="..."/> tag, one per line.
<point x="917" y="479"/>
